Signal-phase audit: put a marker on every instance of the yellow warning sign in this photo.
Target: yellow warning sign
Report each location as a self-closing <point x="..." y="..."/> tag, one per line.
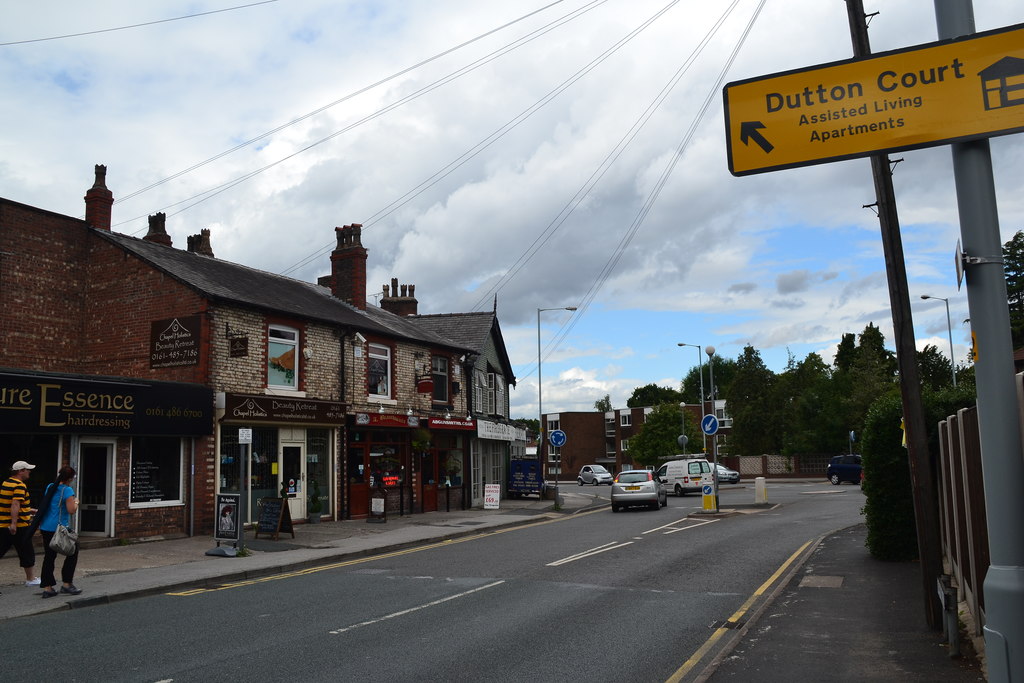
<point x="921" y="96"/>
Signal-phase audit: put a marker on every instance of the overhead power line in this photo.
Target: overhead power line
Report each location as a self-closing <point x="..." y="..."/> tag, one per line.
<point x="652" y="196"/>
<point x="216" y="190"/>
<point x="125" y="28"/>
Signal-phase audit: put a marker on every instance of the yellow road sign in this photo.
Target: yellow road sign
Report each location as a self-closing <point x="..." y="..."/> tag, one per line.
<point x="920" y="96"/>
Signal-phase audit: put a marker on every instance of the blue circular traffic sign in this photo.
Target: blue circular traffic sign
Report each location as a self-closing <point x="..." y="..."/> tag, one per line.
<point x="707" y="490"/>
<point x="557" y="438"/>
<point x="709" y="424"/>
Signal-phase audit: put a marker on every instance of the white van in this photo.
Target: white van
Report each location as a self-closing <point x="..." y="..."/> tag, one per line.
<point x="685" y="475"/>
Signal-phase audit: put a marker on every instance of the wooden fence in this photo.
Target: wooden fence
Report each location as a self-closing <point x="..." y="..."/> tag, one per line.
<point x="964" y="527"/>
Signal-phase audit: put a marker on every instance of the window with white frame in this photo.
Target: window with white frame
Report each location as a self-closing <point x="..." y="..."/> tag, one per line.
<point x="282" y="357"/>
<point x="625" y="445"/>
<point x="479" y="390"/>
<point x="553" y="425"/>
<point x="439" y="373"/>
<point x="500" y="405"/>
<point x="626" y="419"/>
<point x="378" y="373"/>
<point x="489" y="395"/>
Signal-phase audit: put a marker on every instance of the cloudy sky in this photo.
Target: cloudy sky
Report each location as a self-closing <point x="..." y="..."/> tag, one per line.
<point x="548" y="154"/>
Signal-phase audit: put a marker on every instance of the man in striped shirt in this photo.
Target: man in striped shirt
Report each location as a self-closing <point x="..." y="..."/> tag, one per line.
<point x="15" y="518"/>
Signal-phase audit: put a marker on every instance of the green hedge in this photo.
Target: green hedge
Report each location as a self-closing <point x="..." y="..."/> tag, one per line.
<point x="889" y="505"/>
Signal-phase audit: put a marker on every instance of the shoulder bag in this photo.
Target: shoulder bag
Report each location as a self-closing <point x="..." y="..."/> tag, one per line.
<point x="65" y="539"/>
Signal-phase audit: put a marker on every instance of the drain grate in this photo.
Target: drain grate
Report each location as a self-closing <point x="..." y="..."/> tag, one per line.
<point x="732" y="625"/>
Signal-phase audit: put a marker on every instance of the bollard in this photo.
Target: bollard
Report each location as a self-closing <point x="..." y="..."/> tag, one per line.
<point x="760" y="492"/>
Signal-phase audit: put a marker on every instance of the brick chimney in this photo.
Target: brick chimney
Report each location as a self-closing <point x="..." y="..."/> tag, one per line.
<point x="98" y="201"/>
<point x="400" y="304"/>
<point x="348" y="267"/>
<point x="200" y="244"/>
<point x="158" y="230"/>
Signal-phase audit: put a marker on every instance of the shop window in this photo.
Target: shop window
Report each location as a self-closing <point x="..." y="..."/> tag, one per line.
<point x="156" y="471"/>
<point x="282" y="358"/>
<point x="42" y="450"/>
<point x="379" y="371"/>
<point x="439" y="372"/>
<point x="318" y="460"/>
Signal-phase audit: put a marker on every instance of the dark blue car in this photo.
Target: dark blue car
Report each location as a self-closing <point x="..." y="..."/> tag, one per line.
<point x="844" y="468"/>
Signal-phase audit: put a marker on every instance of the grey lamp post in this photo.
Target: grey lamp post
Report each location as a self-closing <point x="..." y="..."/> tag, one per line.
<point x="949" y="330"/>
<point x="540" y="400"/>
<point x="700" y="366"/>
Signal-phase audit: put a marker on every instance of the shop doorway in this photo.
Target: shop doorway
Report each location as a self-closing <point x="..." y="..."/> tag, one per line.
<point x="293" y="478"/>
<point x="95" y="467"/>
<point x="428" y="480"/>
<point x="358" y="480"/>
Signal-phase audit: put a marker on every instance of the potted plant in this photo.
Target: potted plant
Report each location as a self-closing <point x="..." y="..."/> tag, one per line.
<point x="315" y="506"/>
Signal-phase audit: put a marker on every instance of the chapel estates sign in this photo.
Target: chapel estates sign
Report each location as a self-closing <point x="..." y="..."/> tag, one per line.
<point x="922" y="96"/>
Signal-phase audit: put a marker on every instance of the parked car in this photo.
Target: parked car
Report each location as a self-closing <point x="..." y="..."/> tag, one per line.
<point x="594" y="474"/>
<point x="727" y="476"/>
<point x="844" y="468"/>
<point x="685" y="475"/>
<point x="638" y="487"/>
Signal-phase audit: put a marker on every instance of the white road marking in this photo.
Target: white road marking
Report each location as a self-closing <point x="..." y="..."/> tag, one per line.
<point x="589" y="553"/>
<point x="671" y="526"/>
<point x="415" y="609"/>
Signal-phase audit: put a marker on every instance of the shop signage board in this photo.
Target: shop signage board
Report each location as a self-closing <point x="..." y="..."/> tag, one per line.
<point x="492" y="496"/>
<point x="57" y="403"/>
<point x="922" y="96"/>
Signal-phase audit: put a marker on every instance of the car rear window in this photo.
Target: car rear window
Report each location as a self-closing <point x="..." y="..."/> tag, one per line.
<point x="633" y="477"/>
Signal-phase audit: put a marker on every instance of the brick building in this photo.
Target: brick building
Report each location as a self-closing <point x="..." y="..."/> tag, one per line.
<point x="138" y="363"/>
<point x="603" y="438"/>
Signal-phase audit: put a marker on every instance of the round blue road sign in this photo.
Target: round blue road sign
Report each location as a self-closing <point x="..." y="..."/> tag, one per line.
<point x="557" y="438"/>
<point x="709" y="424"/>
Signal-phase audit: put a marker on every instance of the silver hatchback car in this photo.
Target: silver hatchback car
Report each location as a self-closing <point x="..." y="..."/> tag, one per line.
<point x="593" y="474"/>
<point x="638" y="487"/>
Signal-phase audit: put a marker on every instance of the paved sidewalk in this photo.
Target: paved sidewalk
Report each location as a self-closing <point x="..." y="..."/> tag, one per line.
<point x="842" y="615"/>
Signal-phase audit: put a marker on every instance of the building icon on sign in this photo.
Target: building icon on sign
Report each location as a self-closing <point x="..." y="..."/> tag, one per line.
<point x="1002" y="83"/>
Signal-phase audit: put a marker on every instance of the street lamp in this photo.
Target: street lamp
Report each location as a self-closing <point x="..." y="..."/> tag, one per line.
<point x="949" y="330"/>
<point x="540" y="401"/>
<point x="700" y="366"/>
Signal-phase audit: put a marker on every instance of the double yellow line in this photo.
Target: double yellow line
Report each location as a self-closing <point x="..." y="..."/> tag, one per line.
<point x="737" y="615"/>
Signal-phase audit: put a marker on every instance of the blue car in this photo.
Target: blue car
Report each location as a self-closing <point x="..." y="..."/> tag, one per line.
<point x="844" y="468"/>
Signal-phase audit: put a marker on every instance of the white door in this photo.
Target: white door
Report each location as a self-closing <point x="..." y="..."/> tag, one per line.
<point x="293" y="478"/>
<point x="93" y="488"/>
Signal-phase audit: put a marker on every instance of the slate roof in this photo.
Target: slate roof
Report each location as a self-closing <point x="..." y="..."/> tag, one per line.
<point x="233" y="283"/>
<point x="472" y="330"/>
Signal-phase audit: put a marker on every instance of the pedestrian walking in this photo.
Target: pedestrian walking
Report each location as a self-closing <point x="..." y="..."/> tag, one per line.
<point x="16" y="517"/>
<point x="62" y="505"/>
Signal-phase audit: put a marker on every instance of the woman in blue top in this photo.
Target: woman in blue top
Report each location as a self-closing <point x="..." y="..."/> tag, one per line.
<point x="62" y="505"/>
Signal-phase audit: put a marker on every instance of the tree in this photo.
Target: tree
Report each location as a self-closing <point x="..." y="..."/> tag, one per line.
<point x="1013" y="269"/>
<point x="603" y="405"/>
<point x="755" y="415"/>
<point x="811" y="419"/>
<point x="652" y="395"/>
<point x="935" y="369"/>
<point x="658" y="437"/>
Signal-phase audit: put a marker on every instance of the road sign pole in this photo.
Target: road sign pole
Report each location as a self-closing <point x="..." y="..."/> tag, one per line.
<point x="925" y="493"/>
<point x="998" y="409"/>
